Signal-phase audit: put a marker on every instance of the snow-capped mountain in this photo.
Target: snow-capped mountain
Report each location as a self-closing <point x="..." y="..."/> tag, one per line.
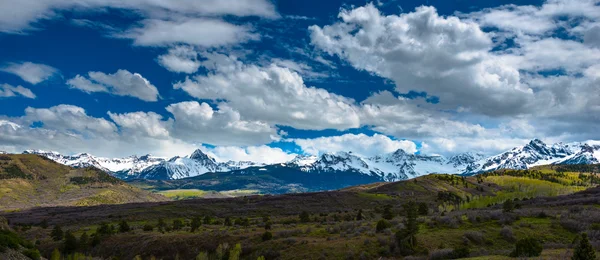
<point x="394" y="166"/>
<point x="398" y="165"/>
<point x="196" y="164"/>
<point x="537" y="153"/>
<point x="125" y="166"/>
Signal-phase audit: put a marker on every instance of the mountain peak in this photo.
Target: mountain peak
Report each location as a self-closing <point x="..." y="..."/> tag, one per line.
<point x="199" y="155"/>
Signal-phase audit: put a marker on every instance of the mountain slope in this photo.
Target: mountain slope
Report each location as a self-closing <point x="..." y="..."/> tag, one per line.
<point x="31" y="180"/>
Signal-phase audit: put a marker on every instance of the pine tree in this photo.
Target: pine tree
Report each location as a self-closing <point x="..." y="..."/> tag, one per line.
<point x="584" y="251"/>
<point x="124" y="226"/>
<point x="508" y="205"/>
<point x="84" y="241"/>
<point x="70" y="244"/>
<point x="202" y="256"/>
<point x="387" y="212"/>
<point x="407" y="237"/>
<point x="177" y="224"/>
<point x="57" y="233"/>
<point x="359" y="215"/>
<point x="227" y="222"/>
<point x="304" y="217"/>
<point x="196" y="223"/>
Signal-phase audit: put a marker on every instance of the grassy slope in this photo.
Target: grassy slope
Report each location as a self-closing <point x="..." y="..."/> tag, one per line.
<point x="473" y="217"/>
<point x="30" y="180"/>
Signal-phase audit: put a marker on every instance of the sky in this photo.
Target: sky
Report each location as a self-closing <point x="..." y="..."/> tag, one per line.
<point x="265" y="80"/>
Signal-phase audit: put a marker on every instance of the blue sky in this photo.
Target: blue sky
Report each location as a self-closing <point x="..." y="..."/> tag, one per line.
<point x="264" y="80"/>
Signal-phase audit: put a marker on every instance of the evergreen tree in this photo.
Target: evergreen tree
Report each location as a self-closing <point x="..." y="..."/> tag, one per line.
<point x="57" y="233"/>
<point x="84" y="241"/>
<point x="304" y="217"/>
<point x="124" y="227"/>
<point x="382" y="225"/>
<point x="267" y="236"/>
<point x="177" y="224"/>
<point x="359" y="215"/>
<point x="508" y="205"/>
<point x="407" y="237"/>
<point x="44" y="224"/>
<point x="227" y="222"/>
<point x="387" y="212"/>
<point x="207" y="220"/>
<point x="584" y="250"/>
<point x="196" y="223"/>
<point x="423" y="209"/>
<point x="70" y="244"/>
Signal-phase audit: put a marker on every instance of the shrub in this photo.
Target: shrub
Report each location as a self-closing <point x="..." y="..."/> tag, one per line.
<point x="507" y="233"/>
<point x="584" y="250"/>
<point x="423" y="209"/>
<point x="382" y="225"/>
<point x="177" y="224"/>
<point x="527" y="247"/>
<point x="508" y="206"/>
<point x="32" y="254"/>
<point x="460" y="252"/>
<point x="440" y="254"/>
<point x="304" y="217"/>
<point x="267" y="236"/>
<point x="387" y="212"/>
<point x="148" y="227"/>
<point x="124" y="227"/>
<point x="475" y="237"/>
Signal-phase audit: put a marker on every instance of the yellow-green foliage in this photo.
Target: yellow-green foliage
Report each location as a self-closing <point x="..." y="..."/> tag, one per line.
<point x="183" y="194"/>
<point x="519" y="187"/>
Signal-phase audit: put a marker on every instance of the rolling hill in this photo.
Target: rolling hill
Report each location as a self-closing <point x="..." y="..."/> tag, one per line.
<point x="457" y="214"/>
<point x="34" y="181"/>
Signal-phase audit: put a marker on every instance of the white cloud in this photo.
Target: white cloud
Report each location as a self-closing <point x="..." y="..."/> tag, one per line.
<point x="259" y="154"/>
<point x="271" y="94"/>
<point x="443" y="56"/>
<point x="182" y="59"/>
<point x="33" y="73"/>
<point x="360" y="144"/>
<point x="121" y="83"/>
<point x="7" y="90"/>
<point x="70" y="119"/>
<point x="140" y="123"/>
<point x="201" y="123"/>
<point x="22" y="16"/>
<point x="203" y="32"/>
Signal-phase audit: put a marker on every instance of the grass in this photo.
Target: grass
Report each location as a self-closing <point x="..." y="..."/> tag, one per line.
<point x="180" y="194"/>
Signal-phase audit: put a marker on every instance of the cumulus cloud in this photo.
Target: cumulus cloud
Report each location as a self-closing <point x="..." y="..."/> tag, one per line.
<point x="121" y="83"/>
<point x="141" y="123"/>
<point x="181" y="59"/>
<point x="360" y="144"/>
<point x="260" y="154"/>
<point x="22" y="16"/>
<point x="201" y="123"/>
<point x="7" y="90"/>
<point x="272" y="94"/>
<point x="33" y="73"/>
<point x="443" y="56"/>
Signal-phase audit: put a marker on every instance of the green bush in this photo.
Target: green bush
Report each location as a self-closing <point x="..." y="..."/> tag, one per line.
<point x="32" y="253"/>
<point x="527" y="247"/>
<point x="382" y="225"/>
<point x="148" y="227"/>
<point x="267" y="236"/>
<point x="304" y="217"/>
<point x="9" y="240"/>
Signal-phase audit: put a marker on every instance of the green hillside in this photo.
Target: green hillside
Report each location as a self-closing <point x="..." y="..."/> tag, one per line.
<point x="34" y="181"/>
<point x="447" y="217"/>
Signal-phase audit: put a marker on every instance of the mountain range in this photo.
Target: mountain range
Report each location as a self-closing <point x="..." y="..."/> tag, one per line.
<point x="394" y="166"/>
